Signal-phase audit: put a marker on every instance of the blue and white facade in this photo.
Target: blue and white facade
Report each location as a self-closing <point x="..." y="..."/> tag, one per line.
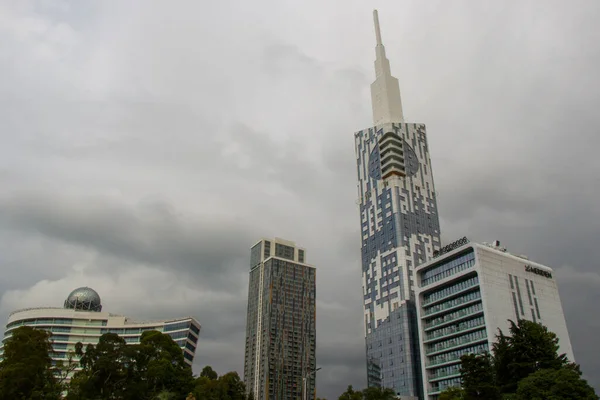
<point x="399" y="230"/>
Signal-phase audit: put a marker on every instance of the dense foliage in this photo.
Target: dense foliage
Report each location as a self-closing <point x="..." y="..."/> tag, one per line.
<point x="371" y="393"/>
<point x="154" y="369"/>
<point x="114" y="370"/>
<point x="26" y="371"/>
<point x="523" y="365"/>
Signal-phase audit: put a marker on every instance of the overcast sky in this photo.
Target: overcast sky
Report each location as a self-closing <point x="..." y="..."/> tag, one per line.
<point x="145" y="146"/>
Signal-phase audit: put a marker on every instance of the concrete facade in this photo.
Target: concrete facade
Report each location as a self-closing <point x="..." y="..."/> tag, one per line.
<point x="465" y="295"/>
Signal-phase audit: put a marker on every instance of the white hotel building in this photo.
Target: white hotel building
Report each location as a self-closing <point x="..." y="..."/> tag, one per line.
<point x="468" y="291"/>
<point x="82" y="320"/>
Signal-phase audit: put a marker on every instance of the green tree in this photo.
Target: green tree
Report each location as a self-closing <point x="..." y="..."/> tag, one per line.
<point x="104" y="373"/>
<point x="231" y="387"/>
<point x="555" y="384"/>
<point x="160" y="366"/>
<point x="529" y="348"/>
<point x="153" y="369"/>
<point x="351" y="394"/>
<point x="453" y="393"/>
<point x="26" y="371"/>
<point x="209" y="373"/>
<point x="375" y="393"/>
<point x="478" y="377"/>
<point x="210" y="386"/>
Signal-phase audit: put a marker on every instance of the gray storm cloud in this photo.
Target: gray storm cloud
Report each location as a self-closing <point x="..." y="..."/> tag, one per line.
<point x="143" y="150"/>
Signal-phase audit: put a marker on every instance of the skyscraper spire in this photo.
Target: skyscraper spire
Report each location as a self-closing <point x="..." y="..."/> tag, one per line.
<point x="377" y="30"/>
<point x="385" y="91"/>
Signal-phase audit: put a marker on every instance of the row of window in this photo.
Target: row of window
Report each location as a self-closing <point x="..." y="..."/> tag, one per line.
<point x="454" y="302"/>
<point x="454" y="315"/>
<point x="445" y="371"/>
<point x="177" y="326"/>
<point x="41" y="321"/>
<point x="457" y="341"/>
<point x="453" y="271"/>
<point x="128" y="331"/>
<point x="445" y="384"/>
<point x="450" y="290"/>
<point x="457" y="354"/>
<point x="471" y="323"/>
<point x="449" y="269"/>
<point x="447" y="265"/>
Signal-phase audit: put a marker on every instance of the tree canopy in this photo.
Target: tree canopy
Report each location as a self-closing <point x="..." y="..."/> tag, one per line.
<point x="154" y="369"/>
<point x="26" y="371"/>
<point x="371" y="393"/>
<point x="521" y="363"/>
<point x="555" y="384"/>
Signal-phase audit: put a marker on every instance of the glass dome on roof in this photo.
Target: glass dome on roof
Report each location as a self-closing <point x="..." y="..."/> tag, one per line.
<point x="85" y="299"/>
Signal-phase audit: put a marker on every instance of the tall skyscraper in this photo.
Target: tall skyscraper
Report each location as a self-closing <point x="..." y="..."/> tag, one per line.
<point x="280" y="326"/>
<point x="399" y="230"/>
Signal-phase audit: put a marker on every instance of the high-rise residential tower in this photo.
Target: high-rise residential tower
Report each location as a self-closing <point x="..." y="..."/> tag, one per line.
<point x="280" y="359"/>
<point x="399" y="230"/>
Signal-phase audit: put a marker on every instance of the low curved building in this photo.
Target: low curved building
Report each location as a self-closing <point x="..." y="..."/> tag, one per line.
<point x="82" y="320"/>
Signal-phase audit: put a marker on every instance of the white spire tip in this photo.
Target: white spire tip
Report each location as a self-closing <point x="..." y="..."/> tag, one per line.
<point x="377" y="30"/>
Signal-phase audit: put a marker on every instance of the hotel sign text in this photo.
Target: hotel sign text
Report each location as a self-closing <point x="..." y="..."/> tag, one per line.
<point x="538" y="271"/>
<point x="450" y="247"/>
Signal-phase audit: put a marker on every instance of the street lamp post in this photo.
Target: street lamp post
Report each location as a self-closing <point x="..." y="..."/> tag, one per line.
<point x="304" y="378"/>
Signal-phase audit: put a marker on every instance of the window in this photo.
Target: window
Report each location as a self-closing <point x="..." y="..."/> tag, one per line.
<point x="519" y="295"/>
<point x="515" y="304"/>
<point x="284" y="251"/>
<point x="537" y="310"/>
<point x="528" y="292"/>
<point x="255" y="255"/>
<point x="176" y="327"/>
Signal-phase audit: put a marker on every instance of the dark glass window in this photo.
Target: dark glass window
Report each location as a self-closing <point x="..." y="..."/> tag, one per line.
<point x="190" y="347"/>
<point x="255" y="255"/>
<point x="176" y="327"/>
<point x="284" y="251"/>
<point x="537" y="309"/>
<point x="178" y="335"/>
<point x="519" y="295"/>
<point x="515" y="304"/>
<point x="528" y="292"/>
<point x="193" y="338"/>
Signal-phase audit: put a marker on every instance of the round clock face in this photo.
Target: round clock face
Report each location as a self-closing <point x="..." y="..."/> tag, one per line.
<point x="411" y="162"/>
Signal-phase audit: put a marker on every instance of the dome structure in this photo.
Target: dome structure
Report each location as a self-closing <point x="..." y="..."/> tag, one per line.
<point x="85" y="299"/>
